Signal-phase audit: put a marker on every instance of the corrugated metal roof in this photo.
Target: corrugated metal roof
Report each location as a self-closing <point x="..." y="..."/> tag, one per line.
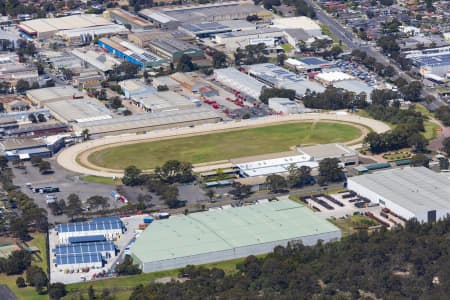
<point x="213" y="231"/>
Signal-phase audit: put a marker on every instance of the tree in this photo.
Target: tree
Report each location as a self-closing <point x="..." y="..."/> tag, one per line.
<point x="175" y="171"/>
<point x="85" y="134"/>
<point x="22" y="86"/>
<point x="3" y="162"/>
<point x="281" y="59"/>
<point x="17" y="262"/>
<point x="210" y="194"/>
<point x="170" y="196"/>
<point x="20" y="282"/>
<point x="276" y="183"/>
<point x="185" y="64"/>
<point x="57" y="290"/>
<point x="74" y="205"/>
<point x="32" y="118"/>
<point x="268" y="93"/>
<point x="131" y="176"/>
<point x="19" y="227"/>
<point x="219" y="60"/>
<point x="240" y="191"/>
<point x="44" y="167"/>
<point x="299" y="177"/>
<point x="330" y="171"/>
<point x="446" y="145"/>
<point x="67" y="74"/>
<point x="443" y="164"/>
<point x="115" y="102"/>
<point x="91" y="293"/>
<point x="36" y="277"/>
<point x="412" y="91"/>
<point x="127" y="267"/>
<point x="418" y="143"/>
<point x="41" y="118"/>
<point x="96" y="202"/>
<point x="420" y="160"/>
<point x="162" y="88"/>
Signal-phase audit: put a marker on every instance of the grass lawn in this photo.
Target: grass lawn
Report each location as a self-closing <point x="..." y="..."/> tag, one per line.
<point x="347" y="225"/>
<point x="430" y="127"/>
<point x="103" y="180"/>
<point x="28" y="293"/>
<point x="123" y="286"/>
<point x="430" y="130"/>
<point x="286" y="47"/>
<point x="224" y="145"/>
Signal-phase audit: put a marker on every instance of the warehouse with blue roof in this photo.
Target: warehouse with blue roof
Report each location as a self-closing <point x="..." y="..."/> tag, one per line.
<point x="109" y="227"/>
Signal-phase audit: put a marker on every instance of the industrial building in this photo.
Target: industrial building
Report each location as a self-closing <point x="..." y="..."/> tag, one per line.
<point x="344" y="81"/>
<point x="46" y="28"/>
<point x="286" y="106"/>
<point x="172" y="17"/>
<point x="209" y="29"/>
<point x="434" y="60"/>
<point x="109" y="227"/>
<point x="134" y="87"/>
<point x="132" y="53"/>
<point x="101" y="61"/>
<point x="83" y="255"/>
<point x="319" y="152"/>
<point x="78" y="110"/>
<point x="172" y="49"/>
<point x="83" y="36"/>
<point x="279" y="165"/>
<point x="409" y="192"/>
<point x="139" y="123"/>
<point x="278" y="77"/>
<point x="226" y="234"/>
<point x="304" y="23"/>
<point x="308" y="64"/>
<point x="142" y="39"/>
<point x="162" y="101"/>
<point x="240" y="39"/>
<point x="239" y="81"/>
<point x="52" y="94"/>
<point x="123" y="17"/>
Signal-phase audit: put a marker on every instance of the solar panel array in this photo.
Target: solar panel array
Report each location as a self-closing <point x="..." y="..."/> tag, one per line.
<point x="78" y="259"/>
<point x="109" y="223"/>
<point x="84" y="248"/>
<point x="438" y="60"/>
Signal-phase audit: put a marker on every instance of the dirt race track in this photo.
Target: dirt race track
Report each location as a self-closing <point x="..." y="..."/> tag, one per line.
<point x="75" y="158"/>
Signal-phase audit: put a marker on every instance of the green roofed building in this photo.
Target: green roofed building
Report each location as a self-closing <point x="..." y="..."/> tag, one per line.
<point x="226" y="234"/>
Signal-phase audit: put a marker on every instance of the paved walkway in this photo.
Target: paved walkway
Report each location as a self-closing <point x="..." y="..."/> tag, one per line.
<point x="71" y="157"/>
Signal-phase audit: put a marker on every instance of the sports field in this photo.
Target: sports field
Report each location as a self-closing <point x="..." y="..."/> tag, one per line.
<point x="224" y="145"/>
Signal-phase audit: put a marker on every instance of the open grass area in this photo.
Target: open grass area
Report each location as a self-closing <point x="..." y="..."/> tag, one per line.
<point x="224" y="145"/>
<point x="287" y="47"/>
<point x="123" y="286"/>
<point x="430" y="127"/>
<point x="349" y="224"/>
<point x="102" y="180"/>
<point x="28" y="293"/>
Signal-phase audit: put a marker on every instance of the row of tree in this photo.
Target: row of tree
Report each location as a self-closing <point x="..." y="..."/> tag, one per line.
<point x="334" y="99"/>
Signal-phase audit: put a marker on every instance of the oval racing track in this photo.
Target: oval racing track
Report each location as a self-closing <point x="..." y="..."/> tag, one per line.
<point x="69" y="158"/>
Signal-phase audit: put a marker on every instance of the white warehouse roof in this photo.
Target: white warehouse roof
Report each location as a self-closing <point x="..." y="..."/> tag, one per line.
<point x="417" y="190"/>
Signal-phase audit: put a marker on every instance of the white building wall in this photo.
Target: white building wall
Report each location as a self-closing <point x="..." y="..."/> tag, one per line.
<point x="112" y="234"/>
<point x="375" y="198"/>
<point x="235" y="253"/>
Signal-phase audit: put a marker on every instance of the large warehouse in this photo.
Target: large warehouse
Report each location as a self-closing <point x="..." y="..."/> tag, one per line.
<point x="226" y="234"/>
<point x="239" y="81"/>
<point x="45" y="28"/>
<point x="146" y="122"/>
<point x="410" y="192"/>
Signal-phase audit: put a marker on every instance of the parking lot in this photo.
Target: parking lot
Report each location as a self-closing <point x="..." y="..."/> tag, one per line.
<point x="67" y="182"/>
<point x="345" y="204"/>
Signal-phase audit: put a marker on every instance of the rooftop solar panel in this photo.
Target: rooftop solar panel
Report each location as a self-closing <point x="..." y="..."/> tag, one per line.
<point x="96" y="224"/>
<point x="84" y="248"/>
<point x="78" y="259"/>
